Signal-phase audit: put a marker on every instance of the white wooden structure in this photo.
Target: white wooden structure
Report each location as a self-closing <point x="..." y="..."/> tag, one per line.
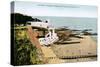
<point x="50" y="37"/>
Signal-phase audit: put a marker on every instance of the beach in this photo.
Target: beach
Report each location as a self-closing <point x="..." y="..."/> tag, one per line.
<point x="86" y="50"/>
<point x="76" y="49"/>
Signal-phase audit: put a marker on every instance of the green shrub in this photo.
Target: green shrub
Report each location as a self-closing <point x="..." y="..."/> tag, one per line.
<point x="24" y="52"/>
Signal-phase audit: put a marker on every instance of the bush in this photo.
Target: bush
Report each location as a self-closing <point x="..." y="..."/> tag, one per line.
<point x="24" y="52"/>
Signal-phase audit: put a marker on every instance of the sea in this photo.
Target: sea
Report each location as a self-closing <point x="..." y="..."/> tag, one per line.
<point x="74" y="23"/>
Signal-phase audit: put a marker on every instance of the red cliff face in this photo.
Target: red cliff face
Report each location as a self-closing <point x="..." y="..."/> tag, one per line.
<point x="33" y="37"/>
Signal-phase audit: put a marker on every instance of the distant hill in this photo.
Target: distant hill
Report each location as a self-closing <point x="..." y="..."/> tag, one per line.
<point x="18" y="18"/>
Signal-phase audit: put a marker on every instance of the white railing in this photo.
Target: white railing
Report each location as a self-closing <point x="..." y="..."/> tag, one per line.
<point x="38" y="24"/>
<point x="50" y="38"/>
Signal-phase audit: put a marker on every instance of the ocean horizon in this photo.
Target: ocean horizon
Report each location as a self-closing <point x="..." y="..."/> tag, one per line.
<point x="78" y="23"/>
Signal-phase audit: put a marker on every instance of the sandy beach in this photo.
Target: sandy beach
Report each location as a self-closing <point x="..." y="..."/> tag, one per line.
<point x="86" y="50"/>
<point x="78" y="49"/>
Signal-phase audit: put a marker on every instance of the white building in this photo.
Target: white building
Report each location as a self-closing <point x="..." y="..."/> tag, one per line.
<point x="38" y="24"/>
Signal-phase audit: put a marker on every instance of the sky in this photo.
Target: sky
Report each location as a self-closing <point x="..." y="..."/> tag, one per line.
<point x="47" y="9"/>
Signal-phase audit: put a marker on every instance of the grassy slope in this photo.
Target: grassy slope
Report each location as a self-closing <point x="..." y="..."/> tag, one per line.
<point x="25" y="52"/>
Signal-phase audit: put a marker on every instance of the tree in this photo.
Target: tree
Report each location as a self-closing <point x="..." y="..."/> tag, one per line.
<point x="17" y="18"/>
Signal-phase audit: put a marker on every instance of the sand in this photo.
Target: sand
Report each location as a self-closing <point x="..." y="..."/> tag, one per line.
<point x="86" y="50"/>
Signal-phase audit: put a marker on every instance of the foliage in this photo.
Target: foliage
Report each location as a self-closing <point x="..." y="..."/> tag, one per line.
<point x="24" y="52"/>
<point x="18" y="18"/>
